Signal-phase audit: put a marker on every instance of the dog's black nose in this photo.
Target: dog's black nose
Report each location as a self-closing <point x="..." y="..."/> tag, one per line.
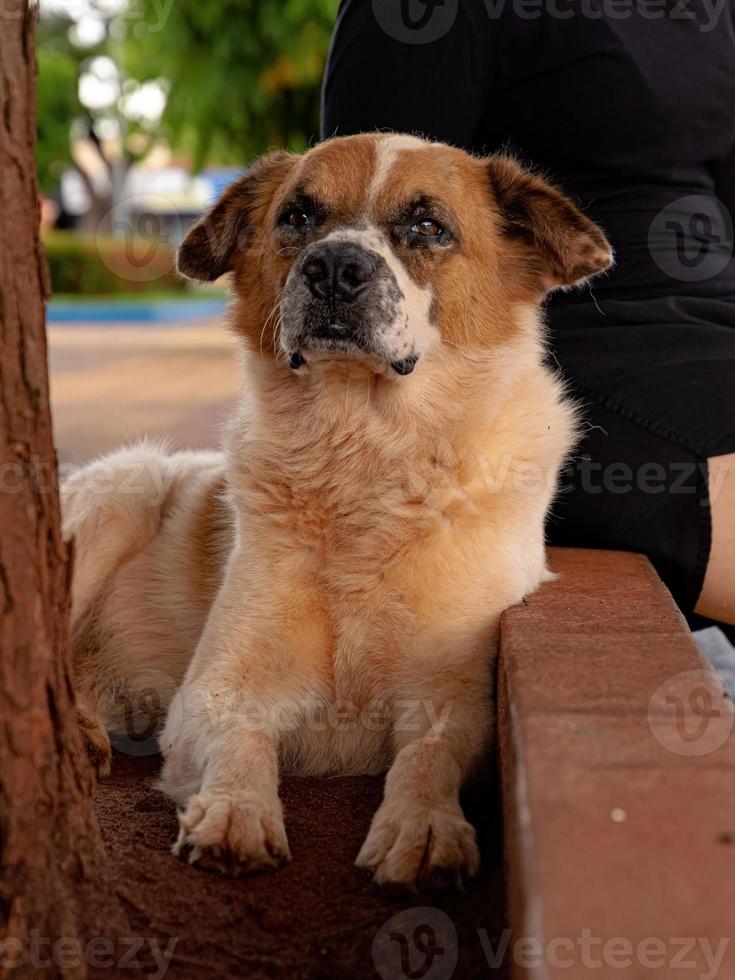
<point x="337" y="271"/>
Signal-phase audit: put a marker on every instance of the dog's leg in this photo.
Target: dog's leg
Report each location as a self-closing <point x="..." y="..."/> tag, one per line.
<point x="235" y="822"/>
<point x="255" y="665"/>
<point x="419" y="836"/>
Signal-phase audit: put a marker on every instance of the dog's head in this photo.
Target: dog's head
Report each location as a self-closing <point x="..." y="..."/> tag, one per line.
<point x="380" y="247"/>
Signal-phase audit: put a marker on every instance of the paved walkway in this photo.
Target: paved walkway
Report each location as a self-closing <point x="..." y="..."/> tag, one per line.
<point x="112" y="384"/>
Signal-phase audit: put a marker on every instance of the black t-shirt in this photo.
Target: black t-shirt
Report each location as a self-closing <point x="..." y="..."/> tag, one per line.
<point x="629" y="105"/>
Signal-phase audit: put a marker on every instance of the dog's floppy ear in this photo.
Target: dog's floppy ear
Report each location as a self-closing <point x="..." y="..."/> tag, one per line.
<point x="208" y="250"/>
<point x="561" y="246"/>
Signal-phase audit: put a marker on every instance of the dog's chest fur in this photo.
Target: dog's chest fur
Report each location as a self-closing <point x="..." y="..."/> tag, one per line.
<point x="363" y="525"/>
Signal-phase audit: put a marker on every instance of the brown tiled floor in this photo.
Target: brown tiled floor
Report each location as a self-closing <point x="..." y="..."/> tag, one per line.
<point x="111" y="384"/>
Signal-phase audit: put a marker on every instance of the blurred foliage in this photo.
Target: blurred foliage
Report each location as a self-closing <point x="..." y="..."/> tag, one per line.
<point x="245" y="75"/>
<point x="242" y="76"/>
<point x="57" y="106"/>
<point x="96" y="265"/>
<point x="57" y="99"/>
<point x="60" y="113"/>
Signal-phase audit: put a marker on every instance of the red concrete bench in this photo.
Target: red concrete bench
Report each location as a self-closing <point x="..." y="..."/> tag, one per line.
<point x="618" y="761"/>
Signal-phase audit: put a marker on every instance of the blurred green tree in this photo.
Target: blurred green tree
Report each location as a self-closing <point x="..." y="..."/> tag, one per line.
<point x="237" y="77"/>
<point x="57" y="105"/>
<point x="91" y="117"/>
<point x="244" y="75"/>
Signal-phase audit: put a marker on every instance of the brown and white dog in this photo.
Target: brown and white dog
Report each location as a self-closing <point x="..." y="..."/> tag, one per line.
<point x="323" y="596"/>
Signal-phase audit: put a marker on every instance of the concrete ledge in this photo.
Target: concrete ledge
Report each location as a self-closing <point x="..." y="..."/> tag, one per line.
<point x="617" y="750"/>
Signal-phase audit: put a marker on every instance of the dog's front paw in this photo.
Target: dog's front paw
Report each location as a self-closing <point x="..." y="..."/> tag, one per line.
<point x="235" y="834"/>
<point x="411" y="845"/>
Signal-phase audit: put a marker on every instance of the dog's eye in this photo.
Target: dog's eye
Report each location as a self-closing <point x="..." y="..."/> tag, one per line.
<point x="296" y="218"/>
<point x="428" y="228"/>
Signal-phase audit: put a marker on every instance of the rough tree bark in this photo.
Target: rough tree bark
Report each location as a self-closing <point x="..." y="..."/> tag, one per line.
<point x="52" y="862"/>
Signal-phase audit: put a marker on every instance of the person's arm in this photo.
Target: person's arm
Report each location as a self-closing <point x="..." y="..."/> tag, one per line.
<point x="376" y="79"/>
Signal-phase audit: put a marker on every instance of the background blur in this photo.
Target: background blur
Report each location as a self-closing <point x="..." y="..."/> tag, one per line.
<point x="147" y="110"/>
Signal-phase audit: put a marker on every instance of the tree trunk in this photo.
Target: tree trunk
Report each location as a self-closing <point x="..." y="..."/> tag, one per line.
<point x="52" y="861"/>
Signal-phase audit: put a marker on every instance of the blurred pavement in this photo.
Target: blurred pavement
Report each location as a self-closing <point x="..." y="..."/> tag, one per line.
<point x="113" y="384"/>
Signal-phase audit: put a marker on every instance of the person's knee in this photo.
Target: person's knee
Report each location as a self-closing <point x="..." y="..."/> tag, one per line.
<point x="717" y="598"/>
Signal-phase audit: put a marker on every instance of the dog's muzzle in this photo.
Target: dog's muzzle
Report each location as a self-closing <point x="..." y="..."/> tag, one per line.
<point x="341" y="298"/>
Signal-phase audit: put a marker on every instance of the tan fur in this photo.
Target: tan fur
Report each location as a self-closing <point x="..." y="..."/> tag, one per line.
<point x="324" y="596"/>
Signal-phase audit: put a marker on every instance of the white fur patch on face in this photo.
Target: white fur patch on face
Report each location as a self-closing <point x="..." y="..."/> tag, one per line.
<point x="387" y="152"/>
<point x="410" y="333"/>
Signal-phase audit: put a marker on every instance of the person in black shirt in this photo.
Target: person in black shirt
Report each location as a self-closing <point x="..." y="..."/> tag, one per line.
<point x="629" y="105"/>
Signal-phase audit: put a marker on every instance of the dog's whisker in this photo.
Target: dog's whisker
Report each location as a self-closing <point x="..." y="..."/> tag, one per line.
<point x="452" y="343"/>
<point x="276" y="330"/>
<point x="275" y="312"/>
<point x="347" y="397"/>
<point x="286" y="248"/>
